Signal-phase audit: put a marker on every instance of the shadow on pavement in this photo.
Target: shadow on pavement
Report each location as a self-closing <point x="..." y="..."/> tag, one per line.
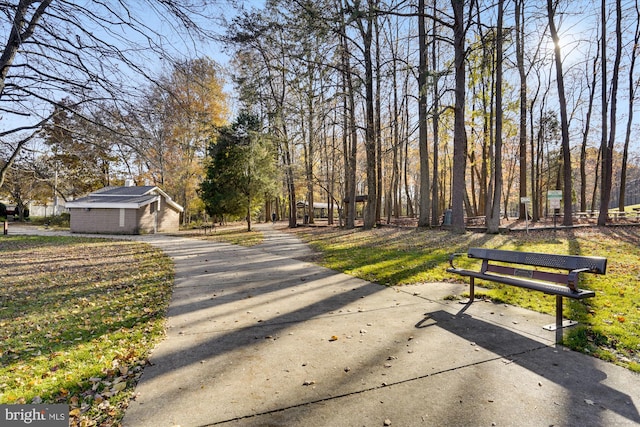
<point x="574" y="372"/>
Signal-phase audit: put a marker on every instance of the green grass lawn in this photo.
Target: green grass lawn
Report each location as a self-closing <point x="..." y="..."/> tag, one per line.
<point x="236" y="236"/>
<point x="78" y="318"/>
<point x="610" y="322"/>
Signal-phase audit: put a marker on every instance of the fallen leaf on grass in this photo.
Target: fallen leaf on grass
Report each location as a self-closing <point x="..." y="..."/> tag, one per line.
<point x="119" y="387"/>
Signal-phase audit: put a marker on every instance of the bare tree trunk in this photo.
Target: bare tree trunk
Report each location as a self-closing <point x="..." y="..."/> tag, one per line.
<point x="309" y="160"/>
<point x="366" y="31"/>
<point x="596" y="180"/>
<point x="407" y="192"/>
<point x="535" y="206"/>
<point x="585" y="135"/>
<point x="474" y="175"/>
<point x="493" y="222"/>
<point x="435" y="207"/>
<point x="4" y="169"/>
<point x="349" y="131"/>
<point x="331" y="175"/>
<point x="632" y="93"/>
<point x="519" y="18"/>
<point x="607" y="150"/>
<point x="22" y="29"/>
<point x="459" y="131"/>
<point x="377" y="124"/>
<point x="564" y="121"/>
<point x="425" y="206"/>
<point x="488" y="158"/>
<point x="249" y="213"/>
<point x="395" y="141"/>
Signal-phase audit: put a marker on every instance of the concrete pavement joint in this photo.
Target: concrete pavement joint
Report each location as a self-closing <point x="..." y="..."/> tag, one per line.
<point x="378" y="387"/>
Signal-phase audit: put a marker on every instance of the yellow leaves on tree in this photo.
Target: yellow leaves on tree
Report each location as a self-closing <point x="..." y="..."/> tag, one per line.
<point x="194" y="105"/>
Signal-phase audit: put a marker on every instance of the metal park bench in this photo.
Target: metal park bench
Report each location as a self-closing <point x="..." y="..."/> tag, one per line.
<point x="552" y="274"/>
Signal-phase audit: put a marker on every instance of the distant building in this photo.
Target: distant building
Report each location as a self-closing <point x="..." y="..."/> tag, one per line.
<point x="125" y="210"/>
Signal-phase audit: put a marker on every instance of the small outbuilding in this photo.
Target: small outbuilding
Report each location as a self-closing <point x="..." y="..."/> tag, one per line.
<point x="125" y="210"/>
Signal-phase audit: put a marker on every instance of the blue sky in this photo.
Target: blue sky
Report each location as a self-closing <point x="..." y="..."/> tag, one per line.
<point x="178" y="43"/>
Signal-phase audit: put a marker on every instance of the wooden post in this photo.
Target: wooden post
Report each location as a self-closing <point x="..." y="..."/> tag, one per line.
<point x="6" y="227"/>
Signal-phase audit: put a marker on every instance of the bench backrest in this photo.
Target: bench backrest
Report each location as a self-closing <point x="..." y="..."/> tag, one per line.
<point x="593" y="264"/>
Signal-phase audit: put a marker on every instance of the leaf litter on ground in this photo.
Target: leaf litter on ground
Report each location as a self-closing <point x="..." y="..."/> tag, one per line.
<point x="79" y="317"/>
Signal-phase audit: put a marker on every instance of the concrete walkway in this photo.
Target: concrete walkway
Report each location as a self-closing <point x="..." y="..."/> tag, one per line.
<point x="260" y="337"/>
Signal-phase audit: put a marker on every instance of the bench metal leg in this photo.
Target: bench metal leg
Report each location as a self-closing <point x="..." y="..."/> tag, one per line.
<point x="559" y="334"/>
<point x="560" y="323"/>
<point x="472" y="291"/>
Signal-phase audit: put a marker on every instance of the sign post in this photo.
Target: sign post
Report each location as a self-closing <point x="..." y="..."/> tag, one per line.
<point x="525" y="201"/>
<point x="553" y="198"/>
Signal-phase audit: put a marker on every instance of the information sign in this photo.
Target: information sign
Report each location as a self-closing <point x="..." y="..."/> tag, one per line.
<point x="554" y="197"/>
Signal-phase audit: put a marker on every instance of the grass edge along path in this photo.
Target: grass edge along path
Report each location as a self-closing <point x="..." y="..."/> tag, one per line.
<point x="609" y="323"/>
<point x="235" y="235"/>
<point x="78" y="319"/>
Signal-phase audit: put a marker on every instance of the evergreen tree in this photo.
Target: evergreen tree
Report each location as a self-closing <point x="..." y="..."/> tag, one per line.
<point x="240" y="171"/>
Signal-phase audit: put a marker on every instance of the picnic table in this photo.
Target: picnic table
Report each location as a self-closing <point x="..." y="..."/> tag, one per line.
<point x="586" y="214"/>
<point x="617" y="215"/>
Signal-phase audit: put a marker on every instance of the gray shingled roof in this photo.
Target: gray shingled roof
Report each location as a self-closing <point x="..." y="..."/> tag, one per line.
<point x="124" y="191"/>
<point x="122" y="197"/>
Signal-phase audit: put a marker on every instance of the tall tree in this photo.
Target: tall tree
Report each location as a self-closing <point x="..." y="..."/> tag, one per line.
<point x="564" y="120"/>
<point x="633" y="86"/>
<point x="493" y="219"/>
<point x="261" y="57"/>
<point x="196" y="104"/>
<point x="425" y="191"/>
<point x="609" y="142"/>
<point x="459" y="130"/>
<point x="349" y="128"/>
<point x="586" y="130"/>
<point x="365" y="22"/>
<point x="81" y="162"/>
<point x="241" y="170"/>
<point x="520" y="48"/>
<point x="55" y="47"/>
<point x="436" y="207"/>
<point x="171" y="126"/>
